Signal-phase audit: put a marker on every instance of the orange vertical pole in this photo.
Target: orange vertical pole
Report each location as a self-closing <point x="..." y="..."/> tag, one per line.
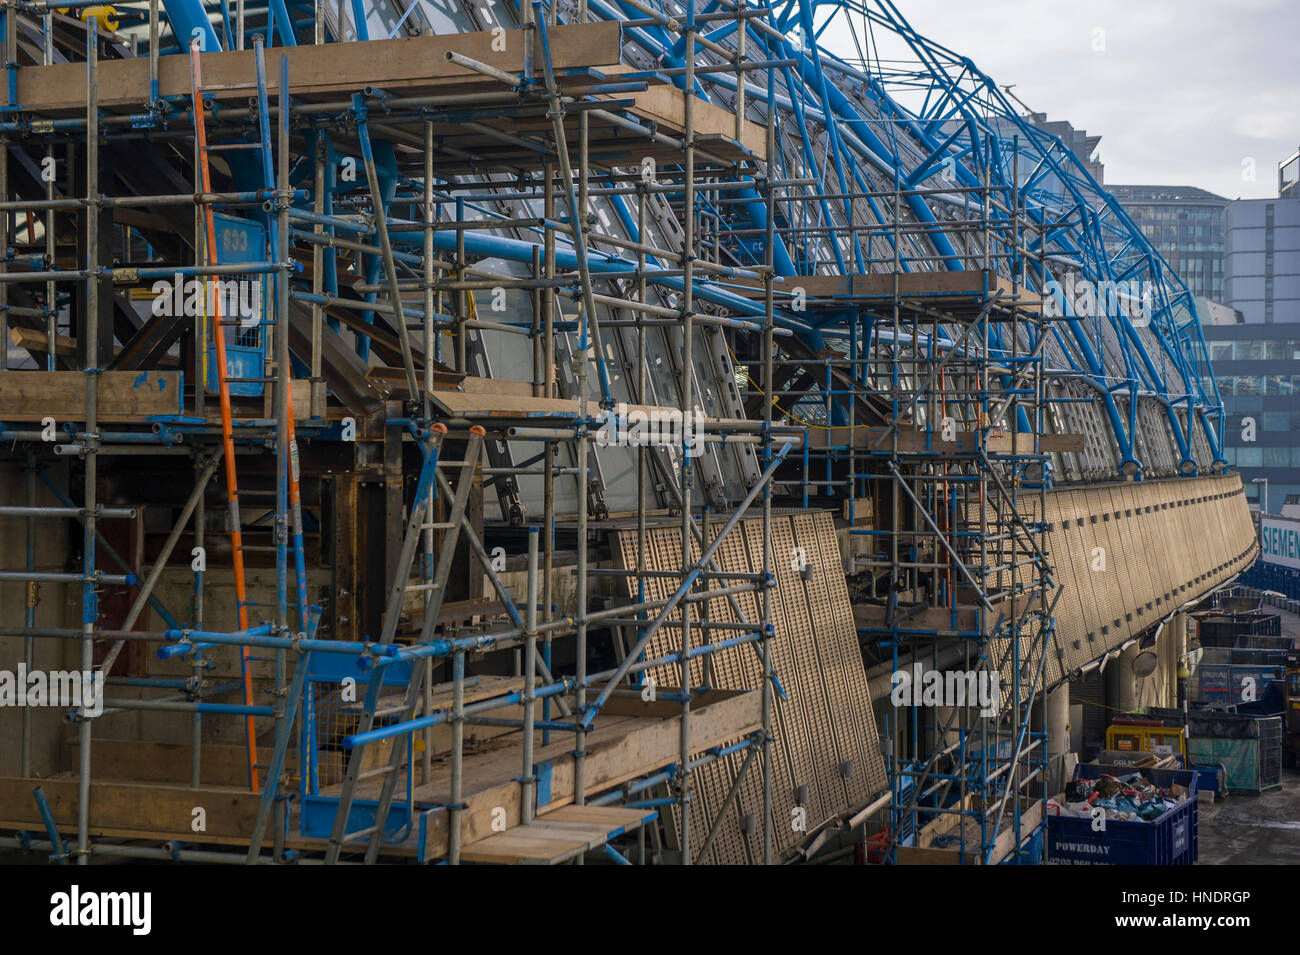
<point x="227" y="423"/>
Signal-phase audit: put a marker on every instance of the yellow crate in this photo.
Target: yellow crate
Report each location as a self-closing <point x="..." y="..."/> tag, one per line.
<point x="1161" y="740"/>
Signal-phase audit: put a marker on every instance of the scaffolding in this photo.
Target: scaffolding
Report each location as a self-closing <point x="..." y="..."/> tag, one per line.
<point x="923" y="437"/>
<point x="217" y="348"/>
<point x="527" y="302"/>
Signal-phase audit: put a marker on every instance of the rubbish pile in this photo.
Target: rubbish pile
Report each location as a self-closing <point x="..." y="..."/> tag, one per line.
<point x="1126" y="798"/>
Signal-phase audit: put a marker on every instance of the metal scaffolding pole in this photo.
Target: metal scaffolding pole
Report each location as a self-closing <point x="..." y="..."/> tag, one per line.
<point x="90" y="600"/>
<point x="681" y="290"/>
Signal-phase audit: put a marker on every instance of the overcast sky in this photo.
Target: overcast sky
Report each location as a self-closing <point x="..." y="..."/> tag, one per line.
<point x="1182" y="92"/>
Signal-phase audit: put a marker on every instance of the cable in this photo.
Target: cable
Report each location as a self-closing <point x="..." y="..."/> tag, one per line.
<point x="736" y="361"/>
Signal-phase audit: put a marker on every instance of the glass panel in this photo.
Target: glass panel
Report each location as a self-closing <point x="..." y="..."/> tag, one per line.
<point x="446" y="16"/>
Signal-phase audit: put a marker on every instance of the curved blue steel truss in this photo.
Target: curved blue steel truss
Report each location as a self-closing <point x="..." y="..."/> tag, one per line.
<point x="904" y="114"/>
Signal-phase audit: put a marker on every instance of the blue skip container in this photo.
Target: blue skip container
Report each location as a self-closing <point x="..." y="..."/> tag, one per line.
<point x="1170" y="839"/>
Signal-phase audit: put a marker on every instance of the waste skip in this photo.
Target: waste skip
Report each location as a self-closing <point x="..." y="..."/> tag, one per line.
<point x="1248" y="746"/>
<point x="1151" y="817"/>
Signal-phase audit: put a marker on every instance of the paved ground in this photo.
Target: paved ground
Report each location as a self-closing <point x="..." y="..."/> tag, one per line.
<point x="1254" y="830"/>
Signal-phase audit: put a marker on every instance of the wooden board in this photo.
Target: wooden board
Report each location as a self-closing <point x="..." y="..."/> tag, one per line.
<point x="970" y="284"/>
<point x="401" y="66"/>
<point x="936" y="619"/>
<point x="516" y="847"/>
<point x="38" y="341"/>
<point x="556" y="836"/>
<point x="473" y="385"/>
<point x="609" y="144"/>
<point x="141" y="809"/>
<point x="616" y="819"/>
<point x="482" y="401"/>
<point x="619" y="748"/>
<point x="666" y="106"/>
<point x="124" y="396"/>
<point x="220" y="764"/>
<point x="911" y="441"/>
<point x="459" y="404"/>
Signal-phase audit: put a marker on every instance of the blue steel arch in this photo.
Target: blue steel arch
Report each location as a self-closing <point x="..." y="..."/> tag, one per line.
<point x="905" y="123"/>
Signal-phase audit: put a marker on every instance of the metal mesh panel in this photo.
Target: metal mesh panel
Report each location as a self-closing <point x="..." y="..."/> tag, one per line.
<point x="824" y="733"/>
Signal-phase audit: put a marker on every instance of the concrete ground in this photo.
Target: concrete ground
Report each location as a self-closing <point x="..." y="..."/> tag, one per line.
<point x="1253" y="830"/>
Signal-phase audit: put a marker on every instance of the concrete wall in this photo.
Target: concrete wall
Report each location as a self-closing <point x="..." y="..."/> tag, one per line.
<point x="174" y="590"/>
<point x="1129" y="555"/>
<point x="57" y="606"/>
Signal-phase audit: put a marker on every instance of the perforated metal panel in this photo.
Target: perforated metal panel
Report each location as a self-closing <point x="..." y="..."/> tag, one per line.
<point x="1196" y="533"/>
<point x="825" y="732"/>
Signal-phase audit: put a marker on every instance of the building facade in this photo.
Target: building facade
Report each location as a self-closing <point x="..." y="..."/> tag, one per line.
<point x="1256" y="358"/>
<point x="1186" y="225"/>
<point x="1257" y="369"/>
<point x="1288" y="177"/>
<point x="1077" y="141"/>
<point x="1262" y="259"/>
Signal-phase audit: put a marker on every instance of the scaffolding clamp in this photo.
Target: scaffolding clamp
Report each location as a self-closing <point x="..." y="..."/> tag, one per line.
<point x="183" y="641"/>
<point x="369" y="658"/>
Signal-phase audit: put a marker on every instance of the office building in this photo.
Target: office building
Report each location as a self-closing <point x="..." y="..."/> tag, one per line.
<point x="1185" y="224"/>
<point x="1256" y="360"/>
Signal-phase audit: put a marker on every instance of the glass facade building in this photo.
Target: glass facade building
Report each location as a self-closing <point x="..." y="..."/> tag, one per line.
<point x="1257" y="369"/>
<point x="1288" y="177"/>
<point x="1257" y="361"/>
<point x="1186" y="225"/>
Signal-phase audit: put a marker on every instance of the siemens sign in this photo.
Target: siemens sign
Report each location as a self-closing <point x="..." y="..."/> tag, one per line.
<point x="1281" y="540"/>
